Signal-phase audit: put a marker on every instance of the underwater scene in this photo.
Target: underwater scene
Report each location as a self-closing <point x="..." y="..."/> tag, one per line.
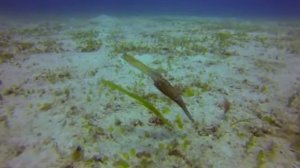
<point x="149" y="84"/>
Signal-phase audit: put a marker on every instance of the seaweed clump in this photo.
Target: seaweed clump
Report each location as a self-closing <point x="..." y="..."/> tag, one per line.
<point x="77" y="154"/>
<point x="54" y="76"/>
<point x="86" y="41"/>
<point x="141" y="100"/>
<point x="51" y="45"/>
<point x="5" y="57"/>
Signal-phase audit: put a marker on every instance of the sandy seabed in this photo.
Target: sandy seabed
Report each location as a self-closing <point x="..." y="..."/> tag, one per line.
<point x="240" y="79"/>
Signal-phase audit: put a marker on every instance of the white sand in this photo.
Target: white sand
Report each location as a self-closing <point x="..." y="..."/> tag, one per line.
<point x="56" y="101"/>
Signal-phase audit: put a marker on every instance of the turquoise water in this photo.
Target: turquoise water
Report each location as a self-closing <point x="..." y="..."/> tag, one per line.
<point x="133" y="84"/>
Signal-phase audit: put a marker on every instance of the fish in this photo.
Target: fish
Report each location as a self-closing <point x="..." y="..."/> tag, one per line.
<point x="162" y="84"/>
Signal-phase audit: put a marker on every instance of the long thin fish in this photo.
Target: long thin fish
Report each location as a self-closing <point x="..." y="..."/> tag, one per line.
<point x="160" y="83"/>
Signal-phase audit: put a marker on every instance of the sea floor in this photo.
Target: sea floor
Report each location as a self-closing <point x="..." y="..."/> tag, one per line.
<point x="239" y="78"/>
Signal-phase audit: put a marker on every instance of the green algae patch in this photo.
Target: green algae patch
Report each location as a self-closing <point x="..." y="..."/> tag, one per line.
<point x="121" y="164"/>
<point x="77" y="154"/>
<point x="179" y="121"/>
<point x="87" y="41"/>
<point x="261" y="159"/>
<point x="141" y="100"/>
<point x="5" y="57"/>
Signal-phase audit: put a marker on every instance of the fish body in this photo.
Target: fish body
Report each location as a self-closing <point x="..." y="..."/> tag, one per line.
<point x="167" y="89"/>
<point x="160" y="83"/>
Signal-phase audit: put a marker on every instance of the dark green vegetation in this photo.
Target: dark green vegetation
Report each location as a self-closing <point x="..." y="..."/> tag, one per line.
<point x="18" y="43"/>
<point x="186" y="38"/>
<point x="140" y="100"/>
<point x="185" y="42"/>
<point x="189" y="38"/>
<point x="86" y="41"/>
<point x="54" y="76"/>
<point x="4" y="57"/>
